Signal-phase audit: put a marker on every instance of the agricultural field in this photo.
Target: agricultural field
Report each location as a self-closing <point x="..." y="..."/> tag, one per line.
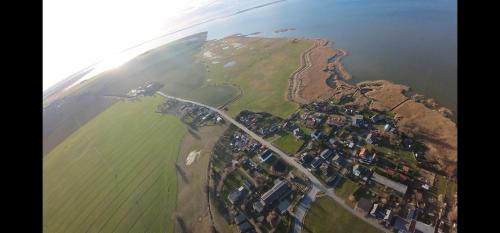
<point x="289" y="143"/>
<point x="326" y="216"/>
<point x="259" y="66"/>
<point x="174" y="65"/>
<point x="116" y="173"/>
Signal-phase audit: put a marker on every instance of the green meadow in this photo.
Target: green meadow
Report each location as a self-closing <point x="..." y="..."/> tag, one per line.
<point x="326" y="216"/>
<point x="116" y="173"/>
<point x="260" y="67"/>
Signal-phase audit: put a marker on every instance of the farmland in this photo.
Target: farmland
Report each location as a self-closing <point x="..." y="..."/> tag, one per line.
<point x="116" y="173"/>
<point x="259" y="66"/>
<point x="326" y="215"/>
<point x="172" y="65"/>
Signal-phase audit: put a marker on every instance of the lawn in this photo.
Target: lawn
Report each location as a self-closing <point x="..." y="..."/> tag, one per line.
<point x="261" y="68"/>
<point x="289" y="143"/>
<point x="326" y="216"/>
<point x="116" y="173"/>
<point x="346" y="188"/>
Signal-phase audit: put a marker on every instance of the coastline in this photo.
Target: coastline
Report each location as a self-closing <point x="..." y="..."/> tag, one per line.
<point x="417" y="115"/>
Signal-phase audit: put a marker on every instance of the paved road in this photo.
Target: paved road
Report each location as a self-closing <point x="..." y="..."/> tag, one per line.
<point x="302" y="208"/>
<point x="290" y="160"/>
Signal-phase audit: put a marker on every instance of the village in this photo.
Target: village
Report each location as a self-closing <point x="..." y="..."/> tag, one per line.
<point x="377" y="170"/>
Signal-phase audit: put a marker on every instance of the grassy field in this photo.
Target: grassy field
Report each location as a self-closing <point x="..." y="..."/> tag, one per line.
<point x="326" y="216"/>
<point x="192" y="203"/>
<point x="346" y="188"/>
<point x="289" y="143"/>
<point x="116" y="173"/>
<point x="173" y="65"/>
<point x="259" y="66"/>
<point x="214" y="95"/>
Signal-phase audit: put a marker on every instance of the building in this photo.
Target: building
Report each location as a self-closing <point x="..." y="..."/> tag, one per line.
<point x="235" y="196"/>
<point x="400" y="225"/>
<point x="238" y="219"/>
<point x="283" y="206"/>
<point x="258" y="207"/>
<point x="389" y="183"/>
<point x="421" y="227"/>
<point x="377" y="117"/>
<point x="357" y="120"/>
<point x="364" y="205"/>
<point x="297" y="133"/>
<point x="316" y="134"/>
<point x="369" y="138"/>
<point x="266" y="155"/>
<point x="326" y="154"/>
<point x="279" y="189"/>
<point x="244" y="227"/>
<point x="316" y="163"/>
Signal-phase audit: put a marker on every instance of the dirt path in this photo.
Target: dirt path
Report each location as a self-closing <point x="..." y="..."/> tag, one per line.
<point x="308" y="82"/>
<point x="295" y="81"/>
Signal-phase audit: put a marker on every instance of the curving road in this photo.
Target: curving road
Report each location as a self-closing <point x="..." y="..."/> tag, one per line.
<point x="315" y="183"/>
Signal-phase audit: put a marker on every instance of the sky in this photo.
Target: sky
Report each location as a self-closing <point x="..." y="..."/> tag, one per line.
<point x="77" y="33"/>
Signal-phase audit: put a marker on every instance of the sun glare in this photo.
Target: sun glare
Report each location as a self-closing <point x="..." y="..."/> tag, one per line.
<point x="78" y="33"/>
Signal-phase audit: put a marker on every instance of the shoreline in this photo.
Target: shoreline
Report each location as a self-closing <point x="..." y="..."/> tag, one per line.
<point x="419" y="115"/>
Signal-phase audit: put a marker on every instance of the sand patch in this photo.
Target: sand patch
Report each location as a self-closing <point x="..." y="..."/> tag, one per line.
<point x="208" y="54"/>
<point x="192" y="157"/>
<point x="229" y="64"/>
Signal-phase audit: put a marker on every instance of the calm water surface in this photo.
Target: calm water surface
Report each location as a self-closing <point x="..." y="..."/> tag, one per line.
<point x="412" y="42"/>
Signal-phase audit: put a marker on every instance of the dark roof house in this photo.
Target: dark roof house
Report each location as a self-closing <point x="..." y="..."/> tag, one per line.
<point x="275" y="193"/>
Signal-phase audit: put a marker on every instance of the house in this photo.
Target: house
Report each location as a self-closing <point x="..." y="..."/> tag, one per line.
<point x="374" y="208"/>
<point x="362" y="152"/>
<point x="421" y="227"/>
<point x="334" y="121"/>
<point x="377" y="117"/>
<point x="244" y="227"/>
<point x="324" y="168"/>
<point x="326" y="154"/>
<point x="238" y="219"/>
<point x="266" y="155"/>
<point x="297" y="133"/>
<point x="389" y="183"/>
<point x="306" y="158"/>
<point x="400" y="225"/>
<point x="276" y="192"/>
<point x="387" y="127"/>
<point x="362" y="172"/>
<point x="316" y="163"/>
<point x="364" y="205"/>
<point x="369" y="139"/>
<point x="235" y="196"/>
<point x="316" y="134"/>
<point x="357" y="120"/>
<point x="258" y="207"/>
<point x="283" y="206"/>
<point x="218" y="119"/>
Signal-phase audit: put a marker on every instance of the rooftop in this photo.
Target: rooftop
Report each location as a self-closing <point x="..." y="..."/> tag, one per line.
<point x="389" y="183"/>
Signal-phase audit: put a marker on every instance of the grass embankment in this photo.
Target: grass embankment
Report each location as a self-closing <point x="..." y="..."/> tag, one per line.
<point x="326" y="216"/>
<point x="116" y="173"/>
<point x="259" y="66"/>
